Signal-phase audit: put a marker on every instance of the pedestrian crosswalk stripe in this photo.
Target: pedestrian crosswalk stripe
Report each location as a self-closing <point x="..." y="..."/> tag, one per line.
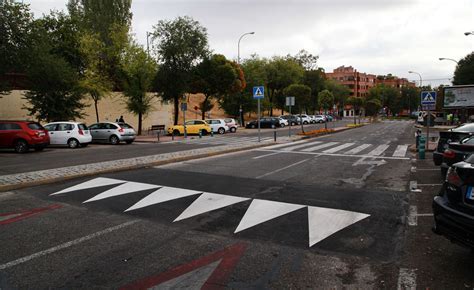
<point x="125" y="188"/>
<point x="209" y="202"/>
<point x="317" y="147"/>
<point x="338" y="148"/>
<point x="400" y="151"/>
<point x="378" y="150"/>
<point x="357" y="149"/>
<point x="285" y="144"/>
<point x="261" y="211"/>
<point x="162" y="195"/>
<point x="323" y="222"/>
<point x="291" y="148"/>
<point x="227" y="140"/>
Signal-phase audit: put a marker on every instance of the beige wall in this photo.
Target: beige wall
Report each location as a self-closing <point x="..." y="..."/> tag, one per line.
<point x="111" y="108"/>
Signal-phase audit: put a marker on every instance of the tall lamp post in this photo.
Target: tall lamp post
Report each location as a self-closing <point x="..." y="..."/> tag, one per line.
<point x="238" y="62"/>
<point x="444" y="58"/>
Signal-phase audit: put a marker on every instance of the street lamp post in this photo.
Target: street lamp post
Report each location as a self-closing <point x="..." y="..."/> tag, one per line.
<point x="429" y="113"/>
<point x="444" y="58"/>
<point x="238" y="62"/>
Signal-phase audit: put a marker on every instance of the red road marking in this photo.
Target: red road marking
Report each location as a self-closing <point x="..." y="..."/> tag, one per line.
<point x="217" y="280"/>
<point x="19" y="215"/>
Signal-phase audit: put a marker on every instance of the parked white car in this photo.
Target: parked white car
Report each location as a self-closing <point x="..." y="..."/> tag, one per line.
<point x="305" y="119"/>
<point x="232" y="124"/>
<point x="320" y="119"/>
<point x="72" y="134"/>
<point x="218" y="125"/>
<point x="283" y="122"/>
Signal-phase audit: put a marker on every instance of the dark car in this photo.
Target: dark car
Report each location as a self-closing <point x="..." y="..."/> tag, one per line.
<point x="292" y="119"/>
<point x="453" y="209"/>
<point x="452" y="135"/>
<point x="23" y="135"/>
<point x="456" y="152"/>
<point x="267" y="122"/>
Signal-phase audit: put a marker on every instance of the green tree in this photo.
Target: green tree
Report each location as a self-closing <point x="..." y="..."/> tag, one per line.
<point x="315" y="80"/>
<point x="95" y="80"/>
<point x="340" y="92"/>
<point x="388" y="96"/>
<point x="410" y="98"/>
<point x="15" y="42"/>
<point x="180" y="45"/>
<point x="215" y="77"/>
<point x="325" y="101"/>
<point x="302" y="94"/>
<point x="139" y="72"/>
<point x="357" y="103"/>
<point x="281" y="72"/>
<point x="464" y="73"/>
<point x="54" y="95"/>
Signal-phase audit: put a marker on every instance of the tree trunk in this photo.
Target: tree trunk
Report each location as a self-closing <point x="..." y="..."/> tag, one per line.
<point x="96" y="109"/>
<point x="176" y="110"/>
<point x="140" y="116"/>
<point x="203" y="108"/>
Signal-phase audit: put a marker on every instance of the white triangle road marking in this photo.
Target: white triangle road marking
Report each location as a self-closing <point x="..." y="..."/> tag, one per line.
<point x="194" y="279"/>
<point x="96" y="182"/>
<point x="209" y="202"/>
<point x="261" y="211"/>
<point x="125" y="188"/>
<point x="324" y="222"/>
<point x="162" y="195"/>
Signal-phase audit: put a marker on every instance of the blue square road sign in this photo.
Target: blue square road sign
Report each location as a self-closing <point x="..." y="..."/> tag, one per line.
<point x="259" y="92"/>
<point x="428" y="97"/>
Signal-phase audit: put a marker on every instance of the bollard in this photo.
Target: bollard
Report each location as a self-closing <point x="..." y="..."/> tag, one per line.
<point x="421" y="148"/>
<point x="274" y="135"/>
<point x="200" y="133"/>
<point x="212" y="133"/>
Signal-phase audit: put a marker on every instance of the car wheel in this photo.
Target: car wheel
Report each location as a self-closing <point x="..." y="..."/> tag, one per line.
<point x="21" y="146"/>
<point x="282" y="125"/>
<point x="129" y="141"/>
<point x="72" y="143"/>
<point x="305" y="123"/>
<point x="114" y="140"/>
<point x="233" y="130"/>
<point x="176" y="132"/>
<point x="252" y="126"/>
<point x="221" y="131"/>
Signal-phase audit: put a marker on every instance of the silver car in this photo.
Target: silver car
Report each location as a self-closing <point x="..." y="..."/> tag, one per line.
<point x="113" y="133"/>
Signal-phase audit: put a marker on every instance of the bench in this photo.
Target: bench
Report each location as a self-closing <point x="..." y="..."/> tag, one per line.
<point x="158" y="128"/>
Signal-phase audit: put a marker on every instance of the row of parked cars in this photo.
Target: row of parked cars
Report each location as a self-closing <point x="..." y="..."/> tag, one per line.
<point x="25" y="135"/>
<point x="453" y="208"/>
<point x="220" y="126"/>
<point x="286" y="120"/>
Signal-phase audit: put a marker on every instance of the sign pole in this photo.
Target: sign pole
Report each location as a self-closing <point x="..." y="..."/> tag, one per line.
<point x="428" y="129"/>
<point x="289" y="127"/>
<point x="258" y="103"/>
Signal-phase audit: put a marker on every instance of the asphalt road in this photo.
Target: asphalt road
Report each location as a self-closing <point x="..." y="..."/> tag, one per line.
<point x="328" y="212"/>
<point x="53" y="157"/>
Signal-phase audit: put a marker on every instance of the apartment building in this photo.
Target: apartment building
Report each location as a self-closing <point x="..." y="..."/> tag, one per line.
<point x="394" y="82"/>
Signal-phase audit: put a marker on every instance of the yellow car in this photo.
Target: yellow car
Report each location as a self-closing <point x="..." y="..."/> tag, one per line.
<point x="192" y="127"/>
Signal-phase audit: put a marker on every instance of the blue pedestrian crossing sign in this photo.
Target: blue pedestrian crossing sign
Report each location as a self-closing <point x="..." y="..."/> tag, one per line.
<point x="258" y="92"/>
<point x="428" y="97"/>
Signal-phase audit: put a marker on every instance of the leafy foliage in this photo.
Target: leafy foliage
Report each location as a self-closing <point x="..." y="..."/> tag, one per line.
<point x="302" y="94"/>
<point x="180" y="45"/>
<point x="464" y="73"/>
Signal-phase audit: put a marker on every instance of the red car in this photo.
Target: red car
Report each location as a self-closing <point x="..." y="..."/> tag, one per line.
<point x="23" y="135"/>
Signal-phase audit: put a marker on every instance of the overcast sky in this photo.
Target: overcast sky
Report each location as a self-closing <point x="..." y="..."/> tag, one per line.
<point x="374" y="36"/>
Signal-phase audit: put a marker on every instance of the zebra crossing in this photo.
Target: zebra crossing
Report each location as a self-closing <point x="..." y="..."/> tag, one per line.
<point x="341" y="149"/>
<point x="221" y="140"/>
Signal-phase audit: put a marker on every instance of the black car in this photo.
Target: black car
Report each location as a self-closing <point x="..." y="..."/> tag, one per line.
<point x="456" y="152"/>
<point x="267" y="122"/>
<point x="452" y="135"/>
<point x="292" y="119"/>
<point x="453" y="209"/>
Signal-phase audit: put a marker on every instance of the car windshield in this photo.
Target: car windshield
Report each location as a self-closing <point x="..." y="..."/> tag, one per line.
<point x="82" y="127"/>
<point x="125" y="126"/>
<point x="468" y="127"/>
<point x="35" y="126"/>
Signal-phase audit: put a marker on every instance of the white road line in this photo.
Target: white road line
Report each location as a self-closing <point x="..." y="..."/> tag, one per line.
<point x="427" y="169"/>
<point x="412" y="216"/>
<point x="406" y="279"/>
<point x="314" y="148"/>
<point x="286" y="144"/>
<point x="378" y="150"/>
<point x="334" y="154"/>
<point x="65" y="245"/>
<point x="430" y="184"/>
<point x="400" y="151"/>
<point x="291" y="148"/>
<point x="358" y="149"/>
<point x="281" y="169"/>
<point x="425" y="214"/>
<point x="338" y="148"/>
<point x="266" y="155"/>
